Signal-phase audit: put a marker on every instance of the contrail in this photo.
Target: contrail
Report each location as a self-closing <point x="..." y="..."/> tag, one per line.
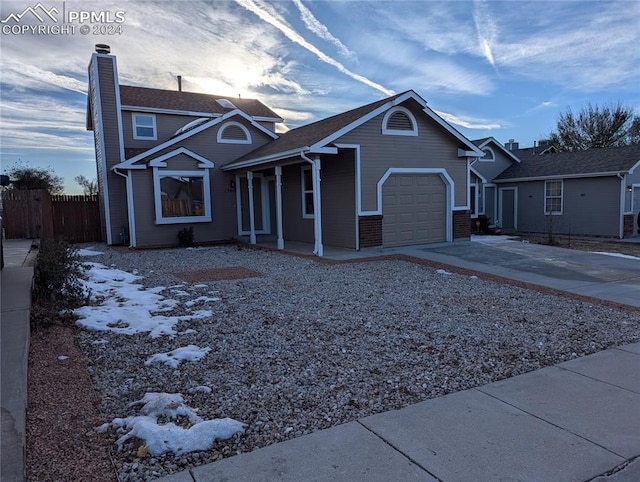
<point x="294" y="36"/>
<point x="321" y="30"/>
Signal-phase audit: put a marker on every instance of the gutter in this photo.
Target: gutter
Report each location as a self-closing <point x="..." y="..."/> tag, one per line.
<point x="130" y="208"/>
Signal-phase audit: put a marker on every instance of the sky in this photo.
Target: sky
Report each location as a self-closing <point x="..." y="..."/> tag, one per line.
<point x="505" y="69"/>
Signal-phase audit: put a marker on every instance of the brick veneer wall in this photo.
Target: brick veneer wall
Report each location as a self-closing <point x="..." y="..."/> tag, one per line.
<point x="370" y="228"/>
<point x="461" y="225"/>
<point x="629" y="223"/>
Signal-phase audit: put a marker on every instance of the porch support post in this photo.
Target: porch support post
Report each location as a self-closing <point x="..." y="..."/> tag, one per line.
<point x="279" y="207"/>
<point x="317" y="206"/>
<point x="252" y="222"/>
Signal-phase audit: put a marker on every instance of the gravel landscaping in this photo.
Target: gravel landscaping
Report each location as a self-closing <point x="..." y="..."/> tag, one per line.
<point x="298" y="346"/>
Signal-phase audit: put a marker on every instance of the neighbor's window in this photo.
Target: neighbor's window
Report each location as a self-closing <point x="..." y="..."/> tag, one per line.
<point x="307" y="193"/>
<point x="553" y="197"/>
<point x="489" y="156"/>
<point x="144" y="126"/>
<point x="182" y="197"/>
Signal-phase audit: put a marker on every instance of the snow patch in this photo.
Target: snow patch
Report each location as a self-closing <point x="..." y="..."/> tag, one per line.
<point x="202" y="299"/>
<point x="173" y="358"/>
<point x="196" y="434"/>
<point x="89" y="252"/>
<point x="443" y="271"/>
<point x="125" y="307"/>
<point x="617" y="255"/>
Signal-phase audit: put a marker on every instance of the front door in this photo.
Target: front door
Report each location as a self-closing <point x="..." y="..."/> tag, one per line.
<point x="508" y="209"/>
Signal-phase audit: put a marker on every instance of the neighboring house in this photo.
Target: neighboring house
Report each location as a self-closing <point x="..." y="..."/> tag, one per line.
<point x="390" y="173"/>
<point x="486" y="199"/>
<point x="594" y="192"/>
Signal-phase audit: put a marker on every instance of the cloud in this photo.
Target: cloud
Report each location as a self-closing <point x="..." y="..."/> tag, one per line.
<point x="294" y="36"/>
<point x="486" y="29"/>
<point x="313" y="24"/>
<point x="469" y="122"/>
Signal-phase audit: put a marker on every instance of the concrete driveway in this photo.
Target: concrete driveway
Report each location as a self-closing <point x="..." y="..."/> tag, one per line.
<point x="607" y="277"/>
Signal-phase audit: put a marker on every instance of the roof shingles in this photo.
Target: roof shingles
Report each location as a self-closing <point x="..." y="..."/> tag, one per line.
<point x="189" y="101"/>
<point x="576" y="163"/>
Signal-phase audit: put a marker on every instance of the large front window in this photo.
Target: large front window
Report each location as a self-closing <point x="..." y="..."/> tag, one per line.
<point x="553" y="197"/>
<point x="182" y="197"/>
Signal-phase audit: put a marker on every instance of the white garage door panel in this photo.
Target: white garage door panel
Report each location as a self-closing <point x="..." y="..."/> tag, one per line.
<point x="413" y="210"/>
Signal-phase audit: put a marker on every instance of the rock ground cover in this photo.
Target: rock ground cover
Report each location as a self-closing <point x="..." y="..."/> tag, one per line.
<point x="307" y="346"/>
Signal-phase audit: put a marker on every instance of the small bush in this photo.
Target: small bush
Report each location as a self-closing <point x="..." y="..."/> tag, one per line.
<point x="57" y="275"/>
<point x="185" y="236"/>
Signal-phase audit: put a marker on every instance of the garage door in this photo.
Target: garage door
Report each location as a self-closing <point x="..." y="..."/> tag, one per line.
<point x="414" y="210"/>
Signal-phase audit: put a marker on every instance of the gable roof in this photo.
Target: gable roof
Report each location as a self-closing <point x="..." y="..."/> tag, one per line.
<point x="606" y="161"/>
<point x="318" y="136"/>
<point x="174" y="100"/>
<point x="482" y="143"/>
<point x="179" y="137"/>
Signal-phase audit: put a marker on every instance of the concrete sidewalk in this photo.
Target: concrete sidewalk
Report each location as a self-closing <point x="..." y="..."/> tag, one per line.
<point x="576" y="421"/>
<point x="15" y="283"/>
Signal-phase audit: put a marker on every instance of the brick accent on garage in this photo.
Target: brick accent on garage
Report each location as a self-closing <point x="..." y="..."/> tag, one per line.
<point x="370" y="228"/>
<point x="628" y="225"/>
<point x="461" y="225"/>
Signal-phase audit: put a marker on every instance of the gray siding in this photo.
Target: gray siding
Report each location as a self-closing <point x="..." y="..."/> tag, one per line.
<point x="108" y="128"/>
<point x="223" y="198"/>
<point x="591" y="206"/>
<point x="294" y="226"/>
<point x="490" y="203"/>
<point x="339" y="200"/>
<point x="434" y="147"/>
<point x="491" y="169"/>
<point x="166" y="127"/>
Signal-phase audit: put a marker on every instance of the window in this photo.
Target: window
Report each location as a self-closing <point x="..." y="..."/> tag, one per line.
<point x="553" y="197"/>
<point x="144" y="126"/>
<point x="307" y="193"/>
<point x="233" y="133"/>
<point x="399" y="122"/>
<point x="182" y="196"/>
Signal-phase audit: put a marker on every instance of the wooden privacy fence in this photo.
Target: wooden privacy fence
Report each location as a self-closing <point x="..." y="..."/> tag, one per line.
<point x="37" y="214"/>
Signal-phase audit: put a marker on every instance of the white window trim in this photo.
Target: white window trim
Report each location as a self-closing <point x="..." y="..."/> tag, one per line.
<point x="485" y="158"/>
<point x="221" y="140"/>
<point x="394" y="132"/>
<point x="305" y="214"/>
<point x="134" y="123"/>
<point x="204" y="174"/>
<point x="555" y="213"/>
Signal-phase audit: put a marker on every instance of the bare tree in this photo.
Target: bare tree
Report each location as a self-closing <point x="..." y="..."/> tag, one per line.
<point x="27" y="177"/>
<point x="90" y="188"/>
<point x="607" y="126"/>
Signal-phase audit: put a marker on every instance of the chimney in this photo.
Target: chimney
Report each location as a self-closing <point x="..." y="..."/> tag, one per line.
<point x="512" y="145"/>
<point x="103" y="49"/>
<point x="179" y="83"/>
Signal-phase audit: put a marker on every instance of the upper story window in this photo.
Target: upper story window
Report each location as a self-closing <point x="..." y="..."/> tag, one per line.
<point x="553" y="197"/>
<point x="144" y="127"/>
<point x="233" y="133"/>
<point x="399" y="122"/>
<point x="307" y="192"/>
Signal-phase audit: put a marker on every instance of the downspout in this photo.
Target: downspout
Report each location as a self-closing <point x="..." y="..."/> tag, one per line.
<point x="622" y="203"/>
<point x="130" y="208"/>
<point x="317" y="201"/>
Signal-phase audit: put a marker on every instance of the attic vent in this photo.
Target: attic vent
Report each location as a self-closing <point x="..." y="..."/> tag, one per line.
<point x="234" y="133"/>
<point x="226" y="104"/>
<point x="399" y="122"/>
